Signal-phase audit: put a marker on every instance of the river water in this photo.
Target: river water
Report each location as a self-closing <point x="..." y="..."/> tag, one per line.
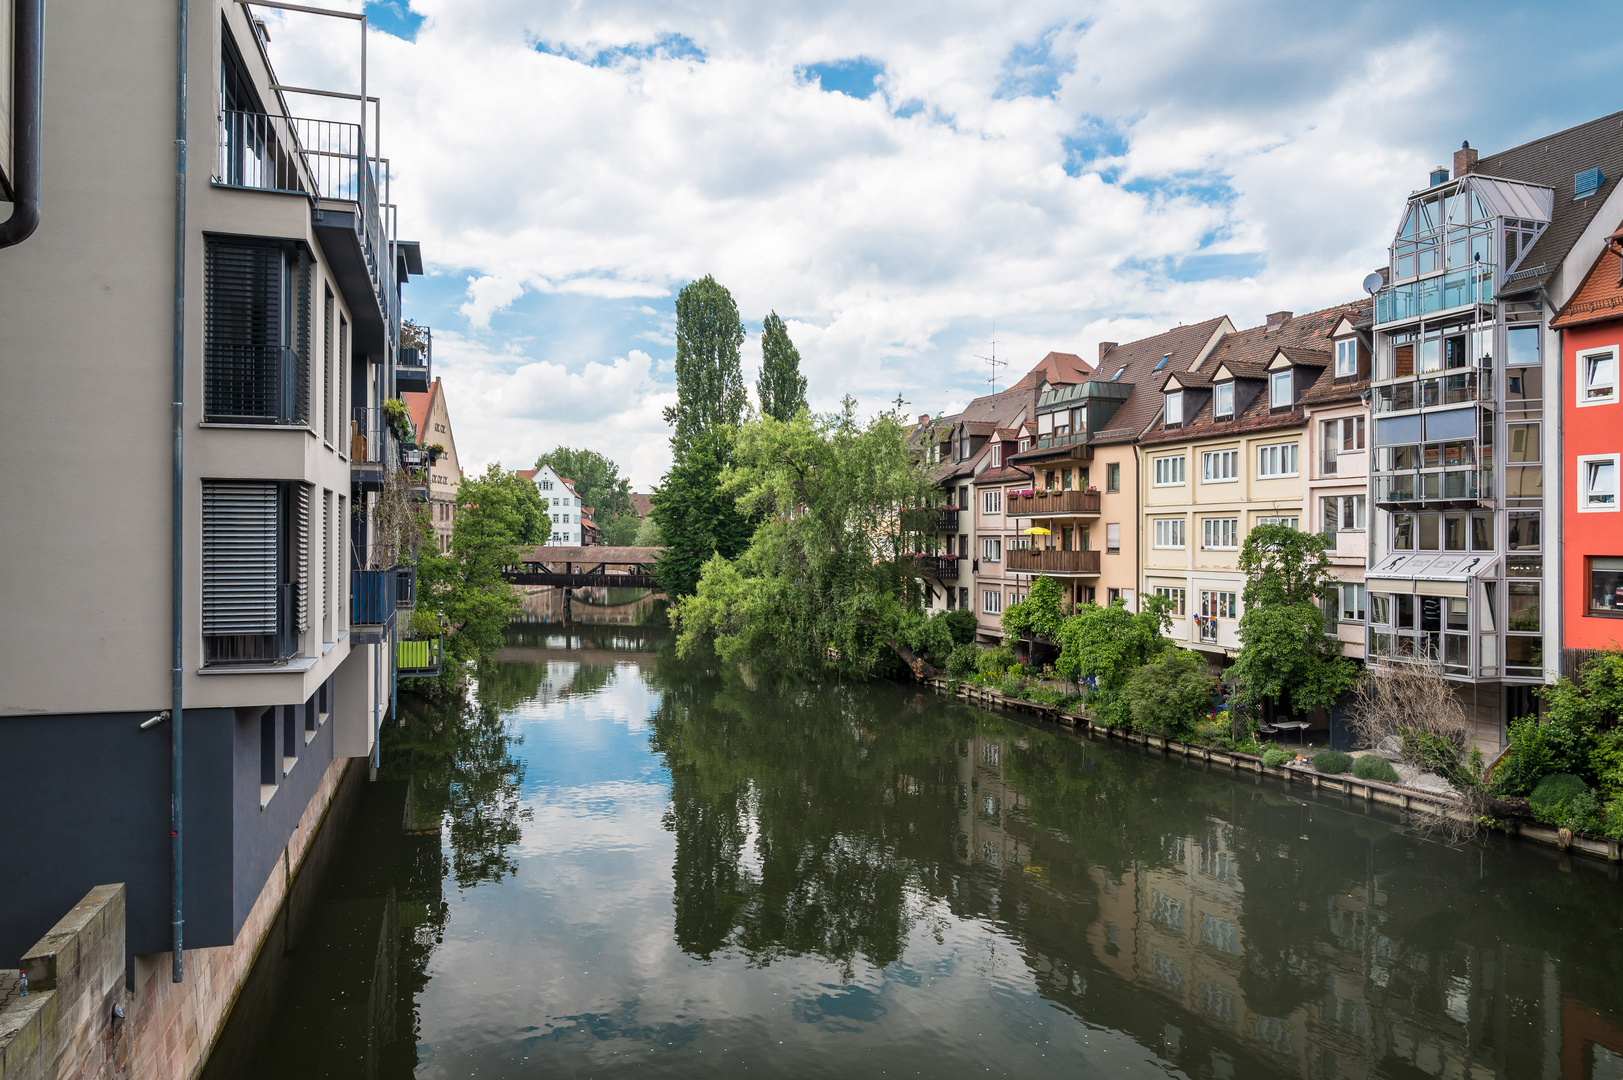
<point x="616" y="863"/>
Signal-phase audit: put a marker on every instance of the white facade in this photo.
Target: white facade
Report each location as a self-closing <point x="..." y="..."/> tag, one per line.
<point x="560" y="503"/>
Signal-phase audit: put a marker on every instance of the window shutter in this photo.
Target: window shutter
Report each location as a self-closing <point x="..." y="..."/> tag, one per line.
<point x="301" y="556"/>
<point x="300" y="405"/>
<point x="326" y="554"/>
<point x="241" y="311"/>
<point x="239" y="557"/>
<point x="328" y="401"/>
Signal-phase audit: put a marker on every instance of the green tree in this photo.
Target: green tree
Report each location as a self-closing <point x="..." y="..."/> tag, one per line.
<point x="1287" y="657"/>
<point x="597" y="480"/>
<point x="620" y="530"/>
<point x="709" y="378"/>
<point x="780" y="386"/>
<point x="824" y="573"/>
<point x="696" y="517"/>
<point x="648" y="533"/>
<point x="1039" y="614"/>
<point x="535" y="526"/>
<point x="1169" y="694"/>
<point x="1103" y="646"/>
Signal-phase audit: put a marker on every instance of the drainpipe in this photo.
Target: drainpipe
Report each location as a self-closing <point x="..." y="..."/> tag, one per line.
<point x="177" y="501"/>
<point x="28" y="103"/>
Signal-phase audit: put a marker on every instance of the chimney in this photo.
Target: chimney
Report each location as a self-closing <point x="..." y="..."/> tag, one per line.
<point x="1277" y="320"/>
<point x="1439" y="175"/>
<point x="1464" y="160"/>
<point x="1104" y="347"/>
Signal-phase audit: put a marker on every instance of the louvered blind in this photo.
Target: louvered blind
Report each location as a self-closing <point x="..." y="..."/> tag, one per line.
<point x="327" y="582"/>
<point x="239" y="557"/>
<point x="299" y="403"/>
<point x="301" y="556"/>
<point x="328" y="401"/>
<point x="242" y="304"/>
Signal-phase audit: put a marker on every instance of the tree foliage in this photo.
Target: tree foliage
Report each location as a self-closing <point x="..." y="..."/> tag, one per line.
<point x="1103" y="646"/>
<point x="597" y="480"/>
<point x="696" y="517"/>
<point x="1169" y="694"/>
<point x="780" y="387"/>
<point x="534" y="524"/>
<point x="709" y="378"/>
<point x="824" y="569"/>
<point x="1039" y="614"/>
<point x="1286" y="656"/>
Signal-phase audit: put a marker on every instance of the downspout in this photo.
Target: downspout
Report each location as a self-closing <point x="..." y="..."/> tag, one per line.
<point x="177" y="491"/>
<point x="28" y="99"/>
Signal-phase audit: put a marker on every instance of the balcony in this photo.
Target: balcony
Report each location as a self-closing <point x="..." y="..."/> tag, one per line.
<point x="1424" y="392"/>
<point x="1052" y="504"/>
<point x="1051" y="561"/>
<point x="412" y="374"/>
<point x="373" y="602"/>
<point x="927" y="520"/>
<point x="419" y="658"/>
<point x="1435" y="489"/>
<point x="1428" y="296"/>
<point x="323" y="160"/>
<point x="941" y="567"/>
<point x="374" y="450"/>
<point x="254" y="384"/>
<point x="1050" y="443"/>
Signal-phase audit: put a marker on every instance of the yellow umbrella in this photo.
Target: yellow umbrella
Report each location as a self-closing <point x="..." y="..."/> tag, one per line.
<point x="1035" y="530"/>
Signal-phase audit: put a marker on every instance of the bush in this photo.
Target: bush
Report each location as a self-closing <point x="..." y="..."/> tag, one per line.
<point x="1276" y="756"/>
<point x="961" y="624"/>
<point x="1538" y="750"/>
<point x="1012" y="686"/>
<point x="1374" y="767"/>
<point x="1332" y="761"/>
<point x="995" y="660"/>
<point x="1435" y="753"/>
<point x="1560" y="798"/>
<point x="1169" y="695"/>
<point x="961" y="663"/>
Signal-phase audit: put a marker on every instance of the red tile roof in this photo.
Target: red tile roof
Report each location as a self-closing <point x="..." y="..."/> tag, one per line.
<point x="1600" y="297"/>
<point x="419" y="405"/>
<point x="1179" y="346"/>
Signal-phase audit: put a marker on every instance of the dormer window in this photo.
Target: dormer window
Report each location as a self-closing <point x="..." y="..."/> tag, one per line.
<point x="1025" y="444"/>
<point x="1280" y="391"/>
<point x="963" y="446"/>
<point x="1045" y="424"/>
<point x="1223" y="400"/>
<point x="1174" y="408"/>
<point x="1347" y="358"/>
<point x="997" y="455"/>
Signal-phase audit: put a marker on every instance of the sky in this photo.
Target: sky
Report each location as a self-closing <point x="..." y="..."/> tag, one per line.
<point x="912" y="187"/>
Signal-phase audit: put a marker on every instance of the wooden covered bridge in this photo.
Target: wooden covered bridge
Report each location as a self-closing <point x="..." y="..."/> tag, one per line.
<point x="578" y="567"/>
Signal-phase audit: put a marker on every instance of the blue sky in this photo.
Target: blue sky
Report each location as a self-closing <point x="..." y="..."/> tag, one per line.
<point x="905" y="183"/>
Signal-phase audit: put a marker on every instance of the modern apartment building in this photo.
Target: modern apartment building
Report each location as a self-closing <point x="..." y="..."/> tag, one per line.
<point x="189" y="573"/>
<point x="1591" y="326"/>
<point x="1224" y="455"/>
<point x="1084" y="488"/>
<point x="431" y="416"/>
<point x="1467" y="379"/>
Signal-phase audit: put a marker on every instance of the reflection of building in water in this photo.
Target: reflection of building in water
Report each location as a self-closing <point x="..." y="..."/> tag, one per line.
<point x="593" y="605"/>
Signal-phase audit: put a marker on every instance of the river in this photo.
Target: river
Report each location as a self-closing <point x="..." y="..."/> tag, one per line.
<point x="616" y="863"/>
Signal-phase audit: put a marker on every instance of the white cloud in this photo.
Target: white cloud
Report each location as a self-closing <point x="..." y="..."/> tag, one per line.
<point x="488" y="295"/>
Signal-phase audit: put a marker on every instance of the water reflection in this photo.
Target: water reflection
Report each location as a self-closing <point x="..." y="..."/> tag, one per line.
<point x="613" y="860"/>
<point x="594" y="605"/>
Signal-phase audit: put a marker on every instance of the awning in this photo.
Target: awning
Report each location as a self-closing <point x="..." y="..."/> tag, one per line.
<point x="1432" y="573"/>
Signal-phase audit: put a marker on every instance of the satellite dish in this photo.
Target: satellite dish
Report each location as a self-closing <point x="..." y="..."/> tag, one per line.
<point x="1373" y="282"/>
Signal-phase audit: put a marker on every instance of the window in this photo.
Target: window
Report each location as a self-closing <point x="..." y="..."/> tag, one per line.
<point x="1606" y="586"/>
<point x="328" y="400"/>
<point x="992" y="549"/>
<point x="1169" y="532"/>
<point x="1218" y="604"/>
<point x="1112" y="539"/>
<point x="1223" y="399"/>
<point x="1597" y="483"/>
<point x="1347" y="358"/>
<point x="1113" y="477"/>
<point x="1352" y="603"/>
<point x="963" y="446"/>
<point x="1175" y="597"/>
<point x="1174" y="408"/>
<point x="1168" y="471"/>
<point x="256" y="569"/>
<point x="992" y="502"/>
<point x="546" y="485"/>
<point x="1341" y="436"/>
<point x="992" y="601"/>
<point x="1597" y="377"/>
<point x="1220" y="534"/>
<point x="1025" y="444"/>
<point x="1219" y="466"/>
<point x="997" y="455"/>
<point x="1342" y="513"/>
<point x="1277" y="460"/>
<point x="1280" y="395"/>
<point x="1290" y="521"/>
<point x="1161" y="363"/>
<point x="1045" y="424"/>
<point x="1117" y="375"/>
<point x="256" y="332"/>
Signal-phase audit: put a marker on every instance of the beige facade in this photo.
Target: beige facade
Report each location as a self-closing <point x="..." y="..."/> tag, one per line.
<point x="431" y="414"/>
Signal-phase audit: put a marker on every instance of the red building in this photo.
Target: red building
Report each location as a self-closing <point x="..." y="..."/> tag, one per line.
<point x="1591" y="326"/>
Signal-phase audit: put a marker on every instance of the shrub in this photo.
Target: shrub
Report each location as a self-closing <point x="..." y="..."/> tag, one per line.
<point x="998" y="659"/>
<point x="1374" y="767"/>
<point x="1431" y="752"/>
<point x="1168" y="695"/>
<point x="1561" y="797"/>
<point x="961" y="662"/>
<point x="961" y="624"/>
<point x="1276" y="756"/>
<point x="1538" y="750"/>
<point x="1332" y="761"/>
<point x="1012" y="685"/>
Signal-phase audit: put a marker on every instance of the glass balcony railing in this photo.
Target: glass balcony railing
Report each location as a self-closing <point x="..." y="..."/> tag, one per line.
<point x="1434" y="485"/>
<point x="1426" y="391"/>
<point x="1457" y="288"/>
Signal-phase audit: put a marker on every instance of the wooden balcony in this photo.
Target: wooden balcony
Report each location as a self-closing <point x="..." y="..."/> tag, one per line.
<point x="930" y="520"/>
<point x="941" y="567"/>
<point x="1051" y="561"/>
<point x="1052" y="504"/>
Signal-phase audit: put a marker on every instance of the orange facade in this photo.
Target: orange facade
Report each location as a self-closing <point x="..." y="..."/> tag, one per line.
<point x="1592" y="527"/>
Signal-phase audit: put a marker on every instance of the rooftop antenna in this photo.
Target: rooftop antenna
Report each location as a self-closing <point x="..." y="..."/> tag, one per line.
<point x="993" y="360"/>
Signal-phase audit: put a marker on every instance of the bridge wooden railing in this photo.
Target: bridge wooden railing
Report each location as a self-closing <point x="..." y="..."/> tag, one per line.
<point x="579" y="567"/>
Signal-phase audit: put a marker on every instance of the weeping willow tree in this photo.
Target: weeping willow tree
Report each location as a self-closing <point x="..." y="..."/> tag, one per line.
<point x="825" y="576"/>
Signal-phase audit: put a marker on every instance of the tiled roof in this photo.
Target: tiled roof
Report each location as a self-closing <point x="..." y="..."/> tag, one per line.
<point x="1553" y="161"/>
<point x="527" y="474"/>
<point x="1057" y="368"/>
<point x="642" y="504"/>
<point x="1179" y="346"/>
<point x="1308" y="357"/>
<point x="1329" y="390"/>
<point x="1600" y="296"/>
<point x="1007" y="474"/>
<point x="1255" y="347"/>
<point x="420" y="404"/>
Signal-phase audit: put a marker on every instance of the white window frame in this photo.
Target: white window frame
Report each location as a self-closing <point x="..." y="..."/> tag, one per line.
<point x="1352" y="602"/>
<point x="1169" y="533"/>
<point x="1586" y="495"/>
<point x="1585" y="388"/>
<point x="1045" y="424"/>
<point x="1025" y="444"/>
<point x="1220" y="407"/>
<point x="1220" y="458"/>
<point x="992" y="502"/>
<point x="1346" y="358"/>
<point x="1280" y="455"/>
<point x="1173" y="472"/>
<point x="1174" y="404"/>
<point x="1277" y="379"/>
<point x="1220" y="529"/>
<point x="997" y="455"/>
<point x="1177" y="595"/>
<point x="992" y="601"/>
<point x="1291" y="521"/>
<point x="991" y="549"/>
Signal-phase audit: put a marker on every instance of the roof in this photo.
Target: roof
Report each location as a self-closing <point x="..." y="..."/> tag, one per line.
<point x="1600" y="296"/>
<point x="1302" y="334"/>
<point x="420" y="404"/>
<point x="1179" y="346"/>
<point x="1004" y="475"/>
<point x="527" y="474"/>
<point x="1056" y="368"/>
<point x="642" y="504"/>
<point x="1553" y="161"/>
<point x="1308" y="357"/>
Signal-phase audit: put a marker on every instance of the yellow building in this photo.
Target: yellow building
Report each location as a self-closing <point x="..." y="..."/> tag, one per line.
<point x="1225" y="454"/>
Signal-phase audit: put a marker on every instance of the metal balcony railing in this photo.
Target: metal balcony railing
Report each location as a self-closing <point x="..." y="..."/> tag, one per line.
<point x="254" y="384"/>
<point x="1427" y="391"/>
<point x="252" y="649"/>
<point x="944" y="567"/>
<point x="419" y="658"/>
<point x="372" y="440"/>
<point x="1052" y="561"/>
<point x="413" y="366"/>
<point x="1463" y="485"/>
<point x="930" y="519"/>
<point x="373" y="598"/>
<point x="1050" y="503"/>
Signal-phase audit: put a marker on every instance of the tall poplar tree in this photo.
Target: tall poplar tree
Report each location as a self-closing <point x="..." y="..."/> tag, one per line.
<point x="781" y="387"/>
<point x="709" y="379"/>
